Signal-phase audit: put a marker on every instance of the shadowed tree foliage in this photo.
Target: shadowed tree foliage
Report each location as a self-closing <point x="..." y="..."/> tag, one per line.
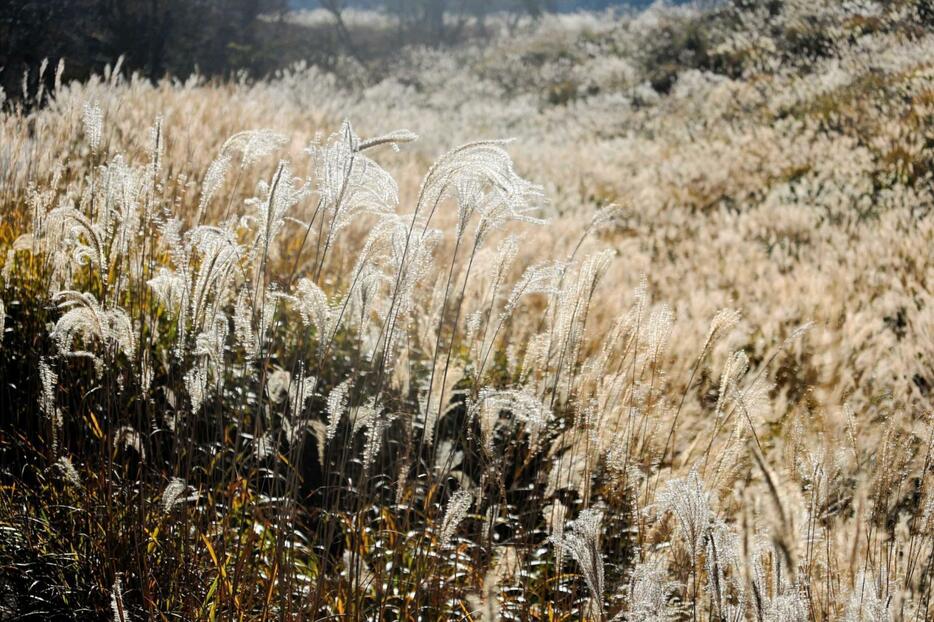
<point x="156" y="37"/>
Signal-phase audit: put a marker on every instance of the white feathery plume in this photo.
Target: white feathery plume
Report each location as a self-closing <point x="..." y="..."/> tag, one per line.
<point x="171" y="232"/>
<point x="157" y="140"/>
<point x="220" y="253"/>
<point x="723" y="321"/>
<point x="538" y="279"/>
<point x="581" y="540"/>
<point x="605" y="215"/>
<point x="146" y="372"/>
<point x="313" y="306"/>
<point x="363" y="300"/>
<point x="337" y="405"/>
<point x="123" y="187"/>
<point x="318" y="432"/>
<point x="570" y="309"/>
<point x="7" y="272"/>
<point x="498" y="271"/>
<point x="454" y="514"/>
<point x="349" y="182"/>
<point x="69" y="472"/>
<point x="42" y="67"/>
<point x="270" y="205"/>
<point x="172" y="495"/>
<point x="520" y="403"/>
<point x="472" y="325"/>
<point x="116" y="602"/>
<point x="722" y="553"/>
<point x="298" y="391"/>
<point x="211" y="342"/>
<point x="364" y="415"/>
<point x="266" y="317"/>
<point x="649" y="591"/>
<point x="481" y="177"/>
<point x="301" y="388"/>
<point x="374" y="436"/>
<point x="85" y="317"/>
<point x="87" y="239"/>
<point x="93" y="125"/>
<point x="59" y="71"/>
<point x="556" y="517"/>
<point x="394" y="139"/>
<point x="49" y="381"/>
<point x="690" y="504"/>
<point x="47" y="405"/>
<point x="264" y="446"/>
<point x="659" y="330"/>
<point x="243" y="327"/>
<point x="253" y="145"/>
<point x="788" y="607"/>
<point x="865" y="603"/>
<point x="196" y="380"/>
<point x="735" y="368"/>
<point x="410" y="261"/>
<point x="213" y="179"/>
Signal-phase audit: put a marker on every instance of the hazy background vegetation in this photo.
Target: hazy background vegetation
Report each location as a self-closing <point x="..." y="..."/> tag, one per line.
<point x="223" y="37"/>
<point x="466" y="311"/>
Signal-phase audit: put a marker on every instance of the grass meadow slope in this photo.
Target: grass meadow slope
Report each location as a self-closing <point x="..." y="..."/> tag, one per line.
<point x="601" y="318"/>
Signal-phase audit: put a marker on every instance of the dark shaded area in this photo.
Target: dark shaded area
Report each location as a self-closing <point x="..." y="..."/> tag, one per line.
<point x="155" y="37"/>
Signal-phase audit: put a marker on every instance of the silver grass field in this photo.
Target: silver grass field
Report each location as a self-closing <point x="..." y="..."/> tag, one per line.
<point x="554" y="327"/>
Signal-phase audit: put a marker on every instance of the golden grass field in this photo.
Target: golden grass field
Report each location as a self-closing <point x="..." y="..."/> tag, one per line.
<point x="665" y="354"/>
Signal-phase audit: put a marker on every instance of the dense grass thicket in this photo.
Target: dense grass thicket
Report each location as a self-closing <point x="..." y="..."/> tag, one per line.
<point x="325" y="346"/>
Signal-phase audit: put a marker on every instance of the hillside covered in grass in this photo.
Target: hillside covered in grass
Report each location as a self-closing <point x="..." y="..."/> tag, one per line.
<point x="600" y="316"/>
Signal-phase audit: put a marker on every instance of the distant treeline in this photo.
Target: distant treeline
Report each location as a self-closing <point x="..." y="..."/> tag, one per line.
<point x="213" y="37"/>
<point x="508" y="5"/>
<point x="155" y="37"/>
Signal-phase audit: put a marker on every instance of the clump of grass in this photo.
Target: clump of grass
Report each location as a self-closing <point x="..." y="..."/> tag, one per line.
<point x="267" y="446"/>
<point x="278" y="381"/>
